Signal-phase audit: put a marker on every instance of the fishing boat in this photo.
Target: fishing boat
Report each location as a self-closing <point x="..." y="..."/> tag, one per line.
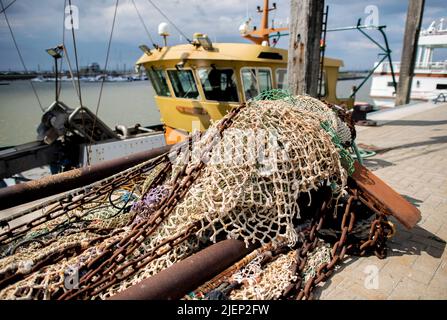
<point x="430" y="77"/>
<point x="195" y="84"/>
<point x="199" y="82"/>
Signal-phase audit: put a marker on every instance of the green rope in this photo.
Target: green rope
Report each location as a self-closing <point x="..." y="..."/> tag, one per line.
<point x="361" y="154"/>
<point x="281" y="94"/>
<point x="357" y="153"/>
<point x="275" y="94"/>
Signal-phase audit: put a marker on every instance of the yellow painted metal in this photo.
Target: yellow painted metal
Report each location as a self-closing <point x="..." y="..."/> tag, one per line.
<point x="222" y="51"/>
<point x="185" y="115"/>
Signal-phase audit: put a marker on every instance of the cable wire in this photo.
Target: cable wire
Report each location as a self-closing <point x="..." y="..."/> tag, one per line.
<point x="63" y="45"/>
<point x="10" y="4"/>
<point x="105" y="69"/>
<point x="19" y="53"/>
<point x="78" y="75"/>
<point x="67" y="57"/>
<point x="76" y="55"/>
<point x="70" y="69"/>
<point x="144" y="25"/>
<point x="169" y="20"/>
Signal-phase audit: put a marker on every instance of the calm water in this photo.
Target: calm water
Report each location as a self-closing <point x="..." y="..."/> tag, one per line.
<point x="344" y="89"/>
<point x="125" y="103"/>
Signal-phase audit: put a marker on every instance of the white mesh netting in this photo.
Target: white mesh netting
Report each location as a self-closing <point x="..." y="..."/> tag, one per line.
<point x="273" y="152"/>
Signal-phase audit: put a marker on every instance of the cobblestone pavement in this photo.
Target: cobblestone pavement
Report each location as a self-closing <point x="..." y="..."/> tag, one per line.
<point x="413" y="161"/>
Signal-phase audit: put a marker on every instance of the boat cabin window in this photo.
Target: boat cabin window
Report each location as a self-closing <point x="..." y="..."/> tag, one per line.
<point x="281" y="78"/>
<point x="218" y="84"/>
<point x="183" y="84"/>
<point x="159" y="83"/>
<point x="441" y="86"/>
<point x="249" y="82"/>
<point x="265" y="80"/>
<point x="255" y="80"/>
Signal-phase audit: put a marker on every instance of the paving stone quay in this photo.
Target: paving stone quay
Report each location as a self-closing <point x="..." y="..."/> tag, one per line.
<point x="412" y="158"/>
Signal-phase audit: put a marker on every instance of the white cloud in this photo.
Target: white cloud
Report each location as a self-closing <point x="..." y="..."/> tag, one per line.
<point x="38" y="25"/>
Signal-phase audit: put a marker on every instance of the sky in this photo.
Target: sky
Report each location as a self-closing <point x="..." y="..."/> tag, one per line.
<point x="39" y="24"/>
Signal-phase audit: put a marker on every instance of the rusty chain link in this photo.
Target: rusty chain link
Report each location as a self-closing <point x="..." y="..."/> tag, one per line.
<point x="106" y="267"/>
<point x="111" y="266"/>
<point x="376" y="243"/>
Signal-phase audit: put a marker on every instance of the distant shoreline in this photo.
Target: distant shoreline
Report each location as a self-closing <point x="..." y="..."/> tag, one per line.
<point x="27" y="76"/>
<point x="352" y="75"/>
<point x="343" y="75"/>
<point x="12" y="77"/>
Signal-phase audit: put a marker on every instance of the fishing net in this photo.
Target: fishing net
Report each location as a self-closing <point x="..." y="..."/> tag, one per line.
<point x="255" y="173"/>
<point x="273" y="152"/>
<point x="69" y="238"/>
<point x="267" y="283"/>
<point x="252" y="177"/>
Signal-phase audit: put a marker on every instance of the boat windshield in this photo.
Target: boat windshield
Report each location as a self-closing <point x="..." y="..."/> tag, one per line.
<point x="159" y="83"/>
<point x="255" y="80"/>
<point x="183" y="84"/>
<point x="281" y="78"/>
<point x="250" y="83"/>
<point x="265" y="80"/>
<point x="218" y="84"/>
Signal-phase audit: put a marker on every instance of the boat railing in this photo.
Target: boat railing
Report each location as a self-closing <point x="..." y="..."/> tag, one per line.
<point x="435" y="32"/>
<point x="438" y="67"/>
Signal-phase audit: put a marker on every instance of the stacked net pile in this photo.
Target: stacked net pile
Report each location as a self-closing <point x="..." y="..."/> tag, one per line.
<point x="274" y="152"/>
<point x="255" y="173"/>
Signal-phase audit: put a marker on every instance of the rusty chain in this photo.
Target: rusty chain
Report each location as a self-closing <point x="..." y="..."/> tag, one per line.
<point x="106" y="267"/>
<point x="111" y="267"/>
<point x="376" y="242"/>
<point x="76" y="199"/>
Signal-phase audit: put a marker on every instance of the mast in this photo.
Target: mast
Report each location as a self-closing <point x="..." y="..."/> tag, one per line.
<point x="265" y="15"/>
<point x="262" y="34"/>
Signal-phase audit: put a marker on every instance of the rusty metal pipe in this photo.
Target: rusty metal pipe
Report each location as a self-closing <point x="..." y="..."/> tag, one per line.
<point x="184" y="276"/>
<point x="379" y="192"/>
<point x="33" y="190"/>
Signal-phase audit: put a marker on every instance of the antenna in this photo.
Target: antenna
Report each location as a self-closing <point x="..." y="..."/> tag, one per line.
<point x="163" y="30"/>
<point x="260" y="35"/>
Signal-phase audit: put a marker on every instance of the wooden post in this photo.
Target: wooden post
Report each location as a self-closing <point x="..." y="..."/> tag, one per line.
<point x="409" y="50"/>
<point x="306" y="17"/>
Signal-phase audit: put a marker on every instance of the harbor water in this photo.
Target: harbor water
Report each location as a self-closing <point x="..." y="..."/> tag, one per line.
<point x="124" y="103"/>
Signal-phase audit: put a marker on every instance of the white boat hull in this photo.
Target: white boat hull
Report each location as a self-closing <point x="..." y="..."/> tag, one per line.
<point x="423" y="88"/>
